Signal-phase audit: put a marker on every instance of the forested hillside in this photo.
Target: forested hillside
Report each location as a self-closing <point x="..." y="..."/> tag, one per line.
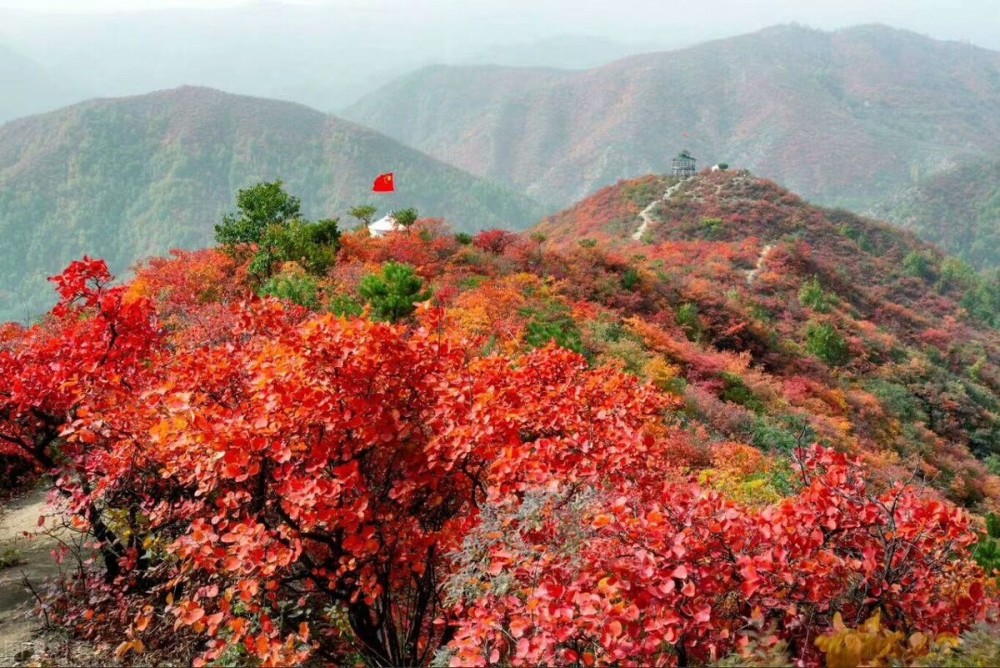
<point x="754" y="268"/>
<point x="128" y="178"/>
<point x="958" y="209"/>
<point x="765" y="433"/>
<point x="845" y="117"/>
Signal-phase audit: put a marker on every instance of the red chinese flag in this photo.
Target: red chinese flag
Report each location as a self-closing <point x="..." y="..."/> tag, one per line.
<point x="384" y="184"/>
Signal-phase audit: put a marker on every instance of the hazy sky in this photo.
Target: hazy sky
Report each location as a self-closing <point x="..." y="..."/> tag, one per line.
<point x="977" y="21"/>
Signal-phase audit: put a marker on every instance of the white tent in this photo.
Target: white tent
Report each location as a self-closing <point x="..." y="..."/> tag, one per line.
<point x="383" y="226"/>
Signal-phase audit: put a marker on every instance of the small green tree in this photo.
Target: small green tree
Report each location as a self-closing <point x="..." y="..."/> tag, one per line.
<point x="393" y="292"/>
<point x="823" y="341"/>
<point x="982" y="299"/>
<point x="405" y="217"/>
<point x="921" y="264"/>
<point x="325" y="232"/>
<point x="630" y="279"/>
<point x="690" y="321"/>
<point x="258" y="208"/>
<point x="312" y="245"/>
<point x="363" y="214"/>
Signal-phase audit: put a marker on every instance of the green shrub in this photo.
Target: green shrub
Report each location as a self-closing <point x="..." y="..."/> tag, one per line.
<point x="711" y="227"/>
<point x="920" y="264"/>
<point x="897" y="400"/>
<point x="690" y="321"/>
<point x="463" y="238"/>
<point x="269" y="217"/>
<point x="296" y="288"/>
<point x="610" y="340"/>
<point x="553" y="323"/>
<point x="811" y="295"/>
<point x="345" y="306"/>
<point x="982" y="299"/>
<point x="10" y="557"/>
<point x="956" y="274"/>
<point x="393" y="292"/>
<point x="823" y="341"/>
<point x="311" y="245"/>
<point x="987" y="550"/>
<point x="783" y="434"/>
<point x="737" y="392"/>
<point x="630" y="279"/>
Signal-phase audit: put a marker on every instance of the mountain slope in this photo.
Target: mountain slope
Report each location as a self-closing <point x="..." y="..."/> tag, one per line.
<point x="751" y="268"/>
<point x="958" y="209"/>
<point x="843" y="117"/>
<point x="28" y="88"/>
<point x="127" y="178"/>
<point x="658" y="448"/>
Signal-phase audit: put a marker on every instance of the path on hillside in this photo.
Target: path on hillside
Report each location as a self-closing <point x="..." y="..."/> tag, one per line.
<point x="761" y="259"/>
<point x="644" y="214"/>
<point x="18" y="626"/>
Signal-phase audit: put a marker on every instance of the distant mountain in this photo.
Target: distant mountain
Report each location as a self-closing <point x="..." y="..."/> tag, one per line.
<point x="958" y="209"/>
<point x="469" y="93"/>
<point x="128" y="178"/>
<point x="845" y="117"/>
<point x="324" y="55"/>
<point x="28" y="88"/>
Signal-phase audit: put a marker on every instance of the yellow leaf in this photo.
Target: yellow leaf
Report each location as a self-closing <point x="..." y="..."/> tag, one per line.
<point x="136" y="646"/>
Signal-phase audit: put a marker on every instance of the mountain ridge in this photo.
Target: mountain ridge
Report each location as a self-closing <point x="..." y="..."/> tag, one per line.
<point x="128" y="177"/>
<point x="843" y="117"/>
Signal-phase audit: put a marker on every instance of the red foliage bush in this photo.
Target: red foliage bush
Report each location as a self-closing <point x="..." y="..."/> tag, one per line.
<point x="494" y="241"/>
<point x="677" y="575"/>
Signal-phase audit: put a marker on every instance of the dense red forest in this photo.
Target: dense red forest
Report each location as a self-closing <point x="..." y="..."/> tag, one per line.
<point x="768" y="433"/>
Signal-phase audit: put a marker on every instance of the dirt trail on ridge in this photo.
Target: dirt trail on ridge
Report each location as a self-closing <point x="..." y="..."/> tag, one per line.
<point x="644" y="214"/>
<point x="761" y="259"/>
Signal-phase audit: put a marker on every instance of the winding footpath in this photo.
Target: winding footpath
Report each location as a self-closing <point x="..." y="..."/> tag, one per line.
<point x="644" y="214"/>
<point x="761" y="259"/>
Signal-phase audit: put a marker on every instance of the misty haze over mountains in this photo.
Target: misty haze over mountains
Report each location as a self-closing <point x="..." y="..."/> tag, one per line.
<point x="329" y="55"/>
<point x="323" y="57"/>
